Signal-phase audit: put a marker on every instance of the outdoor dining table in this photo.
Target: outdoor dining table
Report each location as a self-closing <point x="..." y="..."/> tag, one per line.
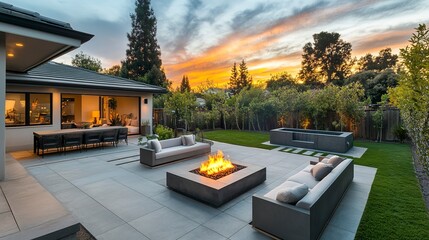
<point x="62" y="132"/>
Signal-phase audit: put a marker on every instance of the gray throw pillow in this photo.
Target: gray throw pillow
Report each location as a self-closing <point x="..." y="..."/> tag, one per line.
<point x="293" y="194"/>
<point x="321" y="170"/>
<point x="189" y="139"/>
<point x="156" y="145"/>
<point x="183" y="140"/>
<point x="335" y="161"/>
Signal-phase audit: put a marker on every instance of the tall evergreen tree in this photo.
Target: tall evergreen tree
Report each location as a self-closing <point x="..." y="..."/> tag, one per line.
<point x="184" y="85"/>
<point x="143" y="53"/>
<point x="233" y="79"/>
<point x="239" y="78"/>
<point x="244" y="78"/>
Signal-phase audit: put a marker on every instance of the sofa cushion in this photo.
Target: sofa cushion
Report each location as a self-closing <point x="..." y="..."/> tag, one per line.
<point x="172" y="142"/>
<point x="189" y="140"/>
<point x="292" y="194"/>
<point x="335" y="161"/>
<point x="285" y="185"/>
<point x="179" y="150"/>
<point x="308" y="168"/>
<point x="320" y="170"/>
<point x="308" y="200"/>
<point x="155" y="144"/>
<point x="304" y="178"/>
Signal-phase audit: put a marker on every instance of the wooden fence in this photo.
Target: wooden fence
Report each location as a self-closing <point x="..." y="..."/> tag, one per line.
<point x="391" y="119"/>
<point x="364" y="130"/>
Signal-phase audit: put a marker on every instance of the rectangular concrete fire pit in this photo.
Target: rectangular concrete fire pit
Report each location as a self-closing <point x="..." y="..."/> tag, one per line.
<point x="215" y="192"/>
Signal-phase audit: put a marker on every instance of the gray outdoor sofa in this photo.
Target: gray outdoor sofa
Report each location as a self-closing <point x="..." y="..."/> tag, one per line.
<point x="172" y="150"/>
<point x="308" y="217"/>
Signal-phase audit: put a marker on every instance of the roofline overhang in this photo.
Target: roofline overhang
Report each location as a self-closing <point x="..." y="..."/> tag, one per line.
<point x="45" y="27"/>
<point x="27" y="82"/>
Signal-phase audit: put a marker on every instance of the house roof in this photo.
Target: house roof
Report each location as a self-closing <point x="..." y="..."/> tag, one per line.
<point x="28" y="19"/>
<point x="60" y="75"/>
<point x="32" y="39"/>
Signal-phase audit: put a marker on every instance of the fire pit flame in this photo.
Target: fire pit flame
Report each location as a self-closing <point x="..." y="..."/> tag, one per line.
<point x="215" y="164"/>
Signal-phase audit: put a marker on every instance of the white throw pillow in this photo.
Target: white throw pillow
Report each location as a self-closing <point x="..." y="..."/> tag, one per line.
<point x="156" y="145"/>
<point x="189" y="140"/>
<point x="293" y="194"/>
<point x="321" y="170"/>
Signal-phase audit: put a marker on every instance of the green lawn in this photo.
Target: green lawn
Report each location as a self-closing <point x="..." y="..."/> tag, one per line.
<point x="395" y="208"/>
<point x="242" y="138"/>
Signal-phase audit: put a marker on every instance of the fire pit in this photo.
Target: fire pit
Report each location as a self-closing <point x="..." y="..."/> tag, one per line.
<point x="217" y="180"/>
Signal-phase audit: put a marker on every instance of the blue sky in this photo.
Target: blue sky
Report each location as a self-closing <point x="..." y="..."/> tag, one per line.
<point x="202" y="38"/>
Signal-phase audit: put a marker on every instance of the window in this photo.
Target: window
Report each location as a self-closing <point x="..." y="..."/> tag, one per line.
<point x="15" y="109"/>
<point x="23" y="109"/>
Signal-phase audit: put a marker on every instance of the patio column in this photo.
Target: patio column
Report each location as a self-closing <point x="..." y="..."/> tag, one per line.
<point x="2" y="102"/>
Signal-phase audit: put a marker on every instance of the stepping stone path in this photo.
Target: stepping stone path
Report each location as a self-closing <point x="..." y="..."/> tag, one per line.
<point x="297" y="150"/>
<point x="308" y="153"/>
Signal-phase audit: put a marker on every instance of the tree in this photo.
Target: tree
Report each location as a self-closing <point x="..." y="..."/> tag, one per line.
<point x="184" y="85"/>
<point x="411" y="95"/>
<point x="349" y="106"/>
<point x="240" y="78"/>
<point x="85" y="61"/>
<point x="374" y="82"/>
<point x="156" y="77"/>
<point x="181" y="105"/>
<point x="143" y="53"/>
<point x="384" y="60"/>
<point x="233" y="80"/>
<point x="244" y="78"/>
<point x="379" y="85"/>
<point x="283" y="79"/>
<point x="327" y="60"/>
<point x="115" y="70"/>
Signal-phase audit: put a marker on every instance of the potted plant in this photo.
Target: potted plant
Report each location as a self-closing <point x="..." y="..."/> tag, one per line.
<point x="145" y="128"/>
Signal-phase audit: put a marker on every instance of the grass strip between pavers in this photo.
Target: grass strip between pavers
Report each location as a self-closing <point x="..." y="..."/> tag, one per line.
<point x="395" y="207"/>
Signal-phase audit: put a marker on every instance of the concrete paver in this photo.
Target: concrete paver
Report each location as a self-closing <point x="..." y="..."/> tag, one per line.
<point x="131" y="200"/>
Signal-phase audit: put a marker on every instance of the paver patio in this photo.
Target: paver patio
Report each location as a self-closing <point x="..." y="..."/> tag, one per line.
<point x="114" y="196"/>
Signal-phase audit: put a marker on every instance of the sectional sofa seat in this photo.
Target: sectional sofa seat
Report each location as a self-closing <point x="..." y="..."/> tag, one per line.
<point x="172" y="150"/>
<point x="308" y="217"/>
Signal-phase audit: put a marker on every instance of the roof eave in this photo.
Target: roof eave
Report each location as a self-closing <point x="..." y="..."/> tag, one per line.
<point x="45" y="27"/>
<point x="83" y="86"/>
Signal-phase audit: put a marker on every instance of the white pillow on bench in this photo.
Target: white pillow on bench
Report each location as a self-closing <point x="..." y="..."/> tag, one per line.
<point x="155" y="144"/>
<point x="292" y="194"/>
<point x="188" y="140"/>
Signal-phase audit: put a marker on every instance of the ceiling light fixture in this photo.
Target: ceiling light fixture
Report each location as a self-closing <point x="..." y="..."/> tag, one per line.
<point x="11" y="55"/>
<point x="19" y="44"/>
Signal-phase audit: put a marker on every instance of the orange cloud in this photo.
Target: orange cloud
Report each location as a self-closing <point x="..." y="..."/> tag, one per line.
<point x="215" y="63"/>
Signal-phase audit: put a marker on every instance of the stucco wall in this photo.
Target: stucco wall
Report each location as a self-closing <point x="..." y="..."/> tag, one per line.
<point x="21" y="138"/>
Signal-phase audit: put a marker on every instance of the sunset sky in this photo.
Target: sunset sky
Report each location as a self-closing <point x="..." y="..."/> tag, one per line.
<point x="203" y="38"/>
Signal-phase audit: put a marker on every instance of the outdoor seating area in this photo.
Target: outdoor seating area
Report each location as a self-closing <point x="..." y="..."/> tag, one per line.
<point x="305" y="201"/>
<point x="70" y="139"/>
<point x="227" y="134"/>
<point x="156" y="152"/>
<point x="88" y="185"/>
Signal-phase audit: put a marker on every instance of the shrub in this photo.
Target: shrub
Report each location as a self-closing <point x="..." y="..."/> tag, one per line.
<point x="400" y="133"/>
<point x="164" y="132"/>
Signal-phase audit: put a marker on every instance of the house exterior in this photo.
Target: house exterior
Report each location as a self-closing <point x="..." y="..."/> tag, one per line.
<point x="53" y="96"/>
<point x="37" y="94"/>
